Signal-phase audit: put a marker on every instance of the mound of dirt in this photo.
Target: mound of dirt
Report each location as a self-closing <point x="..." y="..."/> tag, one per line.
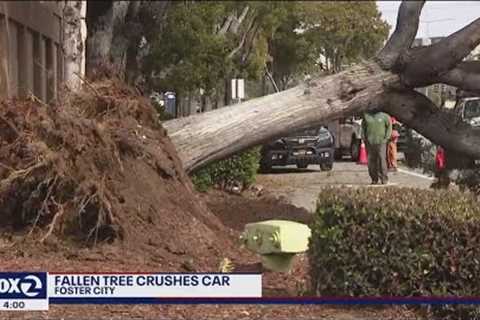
<point x="99" y="171"/>
<point x="236" y="211"/>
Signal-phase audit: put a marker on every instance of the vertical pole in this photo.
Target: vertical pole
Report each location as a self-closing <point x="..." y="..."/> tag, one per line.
<point x="12" y="35"/>
<point x="4" y="90"/>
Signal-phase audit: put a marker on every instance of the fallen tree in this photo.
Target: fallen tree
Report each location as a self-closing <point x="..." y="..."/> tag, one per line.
<point x="387" y="81"/>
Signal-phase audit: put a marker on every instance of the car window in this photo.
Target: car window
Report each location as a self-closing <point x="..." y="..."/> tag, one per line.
<point x="472" y="109"/>
<point x="308" y="132"/>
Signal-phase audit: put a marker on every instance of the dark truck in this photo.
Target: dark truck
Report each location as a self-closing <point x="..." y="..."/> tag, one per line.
<point x="312" y="146"/>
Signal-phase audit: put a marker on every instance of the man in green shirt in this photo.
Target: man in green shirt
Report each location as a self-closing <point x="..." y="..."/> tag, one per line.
<point x="376" y="132"/>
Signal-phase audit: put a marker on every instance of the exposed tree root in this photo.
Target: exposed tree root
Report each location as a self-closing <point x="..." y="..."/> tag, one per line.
<point x="51" y="226"/>
<point x="21" y="174"/>
<point x="44" y="210"/>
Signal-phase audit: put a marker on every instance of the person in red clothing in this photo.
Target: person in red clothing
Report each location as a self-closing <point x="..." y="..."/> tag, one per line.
<point x="392" y="146"/>
<point x="441" y="171"/>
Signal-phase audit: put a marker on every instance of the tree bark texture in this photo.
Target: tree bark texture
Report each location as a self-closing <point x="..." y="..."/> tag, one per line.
<point x="115" y="30"/>
<point x="74" y="34"/>
<point x="217" y="134"/>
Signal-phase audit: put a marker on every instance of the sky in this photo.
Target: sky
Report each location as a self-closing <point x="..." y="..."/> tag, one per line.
<point x="439" y="18"/>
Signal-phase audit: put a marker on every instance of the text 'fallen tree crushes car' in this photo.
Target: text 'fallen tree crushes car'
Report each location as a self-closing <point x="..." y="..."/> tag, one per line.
<point x="302" y="148"/>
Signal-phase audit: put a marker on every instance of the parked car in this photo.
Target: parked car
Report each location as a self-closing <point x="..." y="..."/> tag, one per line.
<point x="347" y="134"/>
<point x="313" y="146"/>
<point x="403" y="137"/>
<point x="468" y="110"/>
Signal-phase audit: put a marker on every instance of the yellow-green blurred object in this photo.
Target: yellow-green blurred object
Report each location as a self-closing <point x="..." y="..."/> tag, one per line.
<point x="276" y="236"/>
<point x="226" y="266"/>
<point x="277" y="241"/>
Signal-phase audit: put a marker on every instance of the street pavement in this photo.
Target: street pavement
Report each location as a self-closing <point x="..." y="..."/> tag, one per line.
<point x="301" y="186"/>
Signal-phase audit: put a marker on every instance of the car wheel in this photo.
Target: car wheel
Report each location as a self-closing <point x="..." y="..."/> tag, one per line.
<point x="326" y="166"/>
<point x="302" y="165"/>
<point x="265" y="167"/>
<point x="337" y="154"/>
<point x="355" y="149"/>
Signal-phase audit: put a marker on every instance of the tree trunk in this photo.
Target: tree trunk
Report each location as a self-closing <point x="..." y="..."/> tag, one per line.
<point x="103" y="18"/>
<point x="74" y="34"/>
<point x="115" y="31"/>
<point x="227" y="93"/>
<point x="217" y="134"/>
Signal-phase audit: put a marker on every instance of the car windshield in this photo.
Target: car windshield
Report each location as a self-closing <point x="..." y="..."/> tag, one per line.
<point x="472" y="109"/>
<point x="308" y="132"/>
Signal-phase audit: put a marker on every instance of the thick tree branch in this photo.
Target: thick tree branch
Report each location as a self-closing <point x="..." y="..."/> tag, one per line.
<point x="217" y="134"/>
<point x="272" y="81"/>
<point x="232" y="23"/>
<point x="403" y="36"/>
<point x="465" y="76"/>
<point x="244" y="39"/>
<point x="226" y="25"/>
<point x="426" y="64"/>
<point x="237" y="22"/>
<point x="439" y="125"/>
<point x="250" y="43"/>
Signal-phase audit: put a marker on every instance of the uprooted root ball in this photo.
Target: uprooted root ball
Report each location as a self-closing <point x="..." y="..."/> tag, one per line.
<point x="60" y="165"/>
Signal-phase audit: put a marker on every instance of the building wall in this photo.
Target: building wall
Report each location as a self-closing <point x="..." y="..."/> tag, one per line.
<point x="30" y="49"/>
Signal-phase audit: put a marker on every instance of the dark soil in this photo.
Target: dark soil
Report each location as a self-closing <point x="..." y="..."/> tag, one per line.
<point x="237" y="210"/>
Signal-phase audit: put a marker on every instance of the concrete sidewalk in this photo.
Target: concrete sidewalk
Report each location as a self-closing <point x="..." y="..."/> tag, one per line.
<point x="302" y="186"/>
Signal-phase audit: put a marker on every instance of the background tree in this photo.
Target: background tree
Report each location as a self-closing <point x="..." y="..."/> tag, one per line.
<point x="119" y="34"/>
<point x="323" y="35"/>
<point x="205" y="44"/>
<point x="292" y="53"/>
<point x="343" y="32"/>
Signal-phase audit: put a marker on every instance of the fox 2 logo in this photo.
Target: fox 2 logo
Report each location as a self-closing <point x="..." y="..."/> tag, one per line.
<point x="23" y="285"/>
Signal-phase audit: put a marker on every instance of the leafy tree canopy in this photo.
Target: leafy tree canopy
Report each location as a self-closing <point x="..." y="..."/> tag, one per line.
<point x="342" y="31"/>
<point x="205" y="43"/>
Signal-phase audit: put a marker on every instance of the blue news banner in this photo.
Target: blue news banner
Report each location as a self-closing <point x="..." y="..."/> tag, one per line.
<point x="36" y="290"/>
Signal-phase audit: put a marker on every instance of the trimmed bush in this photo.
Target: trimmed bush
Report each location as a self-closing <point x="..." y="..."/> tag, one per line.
<point x="238" y="170"/>
<point x="397" y="242"/>
<point x="469" y="179"/>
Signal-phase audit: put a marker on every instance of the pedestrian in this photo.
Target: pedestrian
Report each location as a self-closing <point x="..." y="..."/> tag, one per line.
<point x="392" y="146"/>
<point x="441" y="172"/>
<point x="376" y="132"/>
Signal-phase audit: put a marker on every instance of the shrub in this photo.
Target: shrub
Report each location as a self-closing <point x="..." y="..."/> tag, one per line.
<point x="238" y="170"/>
<point x="469" y="179"/>
<point x="397" y="242"/>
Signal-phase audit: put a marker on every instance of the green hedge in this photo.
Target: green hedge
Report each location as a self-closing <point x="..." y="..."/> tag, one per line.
<point x="239" y="169"/>
<point x="397" y="242"/>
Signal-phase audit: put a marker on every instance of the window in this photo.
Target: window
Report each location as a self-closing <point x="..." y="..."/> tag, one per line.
<point x="472" y="109"/>
<point x="308" y="132"/>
